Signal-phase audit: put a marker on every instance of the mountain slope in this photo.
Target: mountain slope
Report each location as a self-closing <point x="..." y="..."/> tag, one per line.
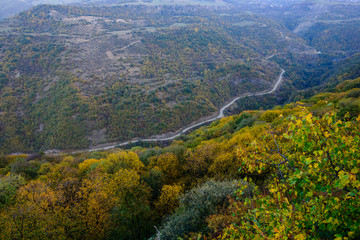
<point x="90" y="75"/>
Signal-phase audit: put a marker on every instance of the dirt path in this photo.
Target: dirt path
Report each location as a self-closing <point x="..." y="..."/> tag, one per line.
<point x="172" y="136"/>
<point x="133" y="43"/>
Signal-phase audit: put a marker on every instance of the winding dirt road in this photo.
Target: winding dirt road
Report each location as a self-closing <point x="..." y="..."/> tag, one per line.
<point x="186" y="129"/>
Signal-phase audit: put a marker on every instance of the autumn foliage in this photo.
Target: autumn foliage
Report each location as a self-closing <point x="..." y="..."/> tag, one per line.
<point x="287" y="173"/>
<point x="313" y="192"/>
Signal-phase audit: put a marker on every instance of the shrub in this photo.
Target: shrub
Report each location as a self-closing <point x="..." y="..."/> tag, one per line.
<point x="196" y="206"/>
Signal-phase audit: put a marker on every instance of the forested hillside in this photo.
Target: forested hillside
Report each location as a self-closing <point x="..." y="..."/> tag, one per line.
<point x="298" y="165"/>
<point x="145" y="75"/>
<point x="74" y="77"/>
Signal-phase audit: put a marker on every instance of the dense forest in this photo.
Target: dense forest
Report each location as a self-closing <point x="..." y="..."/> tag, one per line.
<point x="289" y="172"/>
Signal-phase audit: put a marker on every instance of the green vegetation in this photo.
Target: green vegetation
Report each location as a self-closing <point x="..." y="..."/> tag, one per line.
<point x="292" y="171"/>
<point x="54" y="95"/>
<point x="321" y="36"/>
<point x="72" y="77"/>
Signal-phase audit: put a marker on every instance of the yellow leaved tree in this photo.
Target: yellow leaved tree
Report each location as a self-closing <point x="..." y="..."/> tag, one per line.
<point x="314" y="189"/>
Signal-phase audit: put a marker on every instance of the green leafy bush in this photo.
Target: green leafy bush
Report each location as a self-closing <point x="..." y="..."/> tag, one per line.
<point x="196" y="206"/>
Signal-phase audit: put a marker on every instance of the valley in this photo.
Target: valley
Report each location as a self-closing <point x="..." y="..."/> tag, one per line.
<point x="172" y="136"/>
<point x="141" y="64"/>
<point x="179" y="119"/>
<point x="85" y="76"/>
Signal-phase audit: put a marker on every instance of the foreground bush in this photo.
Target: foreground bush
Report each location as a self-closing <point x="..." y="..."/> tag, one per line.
<point x="313" y="192"/>
<point x="196" y="206"/>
